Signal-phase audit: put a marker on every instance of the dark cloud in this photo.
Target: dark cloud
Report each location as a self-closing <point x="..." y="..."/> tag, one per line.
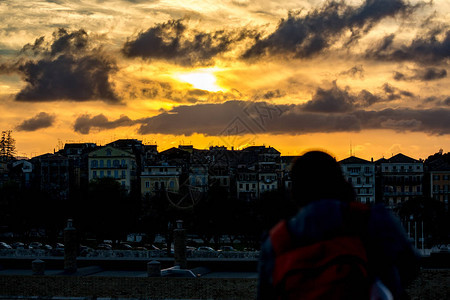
<point x="426" y="74"/>
<point x="267" y="95"/>
<point x="173" y="41"/>
<point x="329" y="101"/>
<point x="69" y="67"/>
<point x="218" y="119"/>
<point x="356" y="71"/>
<point x="338" y="100"/>
<point x="392" y="93"/>
<point x="307" y="35"/>
<point x="431" y="47"/>
<point x="41" y="120"/>
<point x="85" y="123"/>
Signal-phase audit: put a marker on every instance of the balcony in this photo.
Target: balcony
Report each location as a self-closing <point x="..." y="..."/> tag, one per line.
<point x="117" y="167"/>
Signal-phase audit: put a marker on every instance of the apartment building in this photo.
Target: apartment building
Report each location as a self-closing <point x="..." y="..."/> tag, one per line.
<point x="361" y="174"/>
<point x="115" y="163"/>
<point x="399" y="178"/>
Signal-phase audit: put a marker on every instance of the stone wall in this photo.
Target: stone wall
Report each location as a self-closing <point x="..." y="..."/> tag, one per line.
<point x="129" y="287"/>
<point x="431" y="284"/>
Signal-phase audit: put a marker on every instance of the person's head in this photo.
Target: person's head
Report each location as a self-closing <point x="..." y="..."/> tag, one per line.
<point x="317" y="175"/>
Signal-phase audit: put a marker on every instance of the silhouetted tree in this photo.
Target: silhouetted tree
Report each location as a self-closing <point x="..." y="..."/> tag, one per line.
<point x="7" y="145"/>
<point x="106" y="211"/>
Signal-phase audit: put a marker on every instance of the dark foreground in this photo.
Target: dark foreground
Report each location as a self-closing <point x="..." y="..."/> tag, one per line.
<point x="431" y="284"/>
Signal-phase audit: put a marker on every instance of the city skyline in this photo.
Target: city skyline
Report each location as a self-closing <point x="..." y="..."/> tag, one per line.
<point x="367" y="77"/>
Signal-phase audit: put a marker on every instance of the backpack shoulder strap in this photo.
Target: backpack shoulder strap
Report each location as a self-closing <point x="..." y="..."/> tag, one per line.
<point x="280" y="237"/>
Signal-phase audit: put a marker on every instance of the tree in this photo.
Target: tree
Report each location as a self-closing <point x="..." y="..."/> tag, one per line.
<point x="7" y="145"/>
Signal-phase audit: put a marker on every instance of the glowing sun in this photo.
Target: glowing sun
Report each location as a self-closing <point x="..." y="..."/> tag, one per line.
<point x="203" y="80"/>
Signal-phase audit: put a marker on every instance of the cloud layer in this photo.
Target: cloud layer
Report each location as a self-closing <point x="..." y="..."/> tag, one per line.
<point x="40" y="121"/>
<point x="68" y="67"/>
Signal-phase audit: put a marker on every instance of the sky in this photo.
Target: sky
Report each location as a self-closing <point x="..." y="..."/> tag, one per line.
<point x="362" y="77"/>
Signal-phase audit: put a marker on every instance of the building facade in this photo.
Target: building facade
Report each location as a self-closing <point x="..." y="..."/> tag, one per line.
<point x="115" y="163"/>
<point x="399" y="179"/>
<point x="361" y="174"/>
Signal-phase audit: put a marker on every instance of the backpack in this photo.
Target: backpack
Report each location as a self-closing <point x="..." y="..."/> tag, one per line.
<point x="335" y="268"/>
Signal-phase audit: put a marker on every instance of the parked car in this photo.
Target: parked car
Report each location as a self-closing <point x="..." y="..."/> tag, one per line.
<point x="47" y="247"/>
<point x="124" y="246"/>
<point x="227" y="248"/>
<point x="85" y="250"/>
<point x="4" y="245"/>
<point x="35" y="245"/>
<point x="104" y="247"/>
<point x="205" y="248"/>
<point x="18" y="245"/>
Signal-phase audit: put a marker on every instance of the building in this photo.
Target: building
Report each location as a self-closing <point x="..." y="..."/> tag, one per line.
<point x="159" y="178"/>
<point x="399" y="179"/>
<point x="361" y="174"/>
<point x="438" y="178"/>
<point x="259" y="171"/>
<point x="77" y="153"/>
<point x="115" y="163"/>
<point x="21" y="172"/>
<point x="52" y="174"/>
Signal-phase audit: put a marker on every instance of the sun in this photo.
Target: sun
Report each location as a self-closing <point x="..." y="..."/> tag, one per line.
<point x="201" y="79"/>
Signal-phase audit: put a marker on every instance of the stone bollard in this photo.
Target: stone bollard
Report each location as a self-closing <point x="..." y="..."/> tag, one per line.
<point x="70" y="248"/>
<point x="179" y="245"/>
<point x="154" y="269"/>
<point x="38" y="267"/>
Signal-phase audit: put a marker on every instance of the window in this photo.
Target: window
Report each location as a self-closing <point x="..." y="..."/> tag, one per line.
<point x="358" y="180"/>
<point x="171" y="184"/>
<point x="436" y="177"/>
<point x="225" y="181"/>
<point x="102" y="174"/>
<point x="367" y="169"/>
<point x="350" y="180"/>
<point x="109" y="173"/>
<point x="94" y="164"/>
<point x="367" y="180"/>
<point x="253" y="185"/>
<point x="101" y="163"/>
<point x="94" y="174"/>
<point x="116" y="174"/>
<point x="116" y="163"/>
<point x="247" y="186"/>
<point x="108" y="152"/>
<point x="108" y="163"/>
<point x="123" y="175"/>
<point x="241" y="185"/>
<point x="123" y="183"/>
<point x="147" y="184"/>
<point x="123" y="163"/>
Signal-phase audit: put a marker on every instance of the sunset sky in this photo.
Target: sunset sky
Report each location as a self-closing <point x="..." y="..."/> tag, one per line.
<point x="366" y="75"/>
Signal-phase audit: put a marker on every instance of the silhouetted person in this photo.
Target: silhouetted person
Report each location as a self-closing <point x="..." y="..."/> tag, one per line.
<point x="334" y="248"/>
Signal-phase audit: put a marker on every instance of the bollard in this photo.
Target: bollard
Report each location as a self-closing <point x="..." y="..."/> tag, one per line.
<point x="154" y="269"/>
<point x="38" y="267"/>
<point x="179" y="245"/>
<point x="70" y="248"/>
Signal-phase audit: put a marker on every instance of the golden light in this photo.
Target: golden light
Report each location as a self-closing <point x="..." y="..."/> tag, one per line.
<point x="201" y="79"/>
